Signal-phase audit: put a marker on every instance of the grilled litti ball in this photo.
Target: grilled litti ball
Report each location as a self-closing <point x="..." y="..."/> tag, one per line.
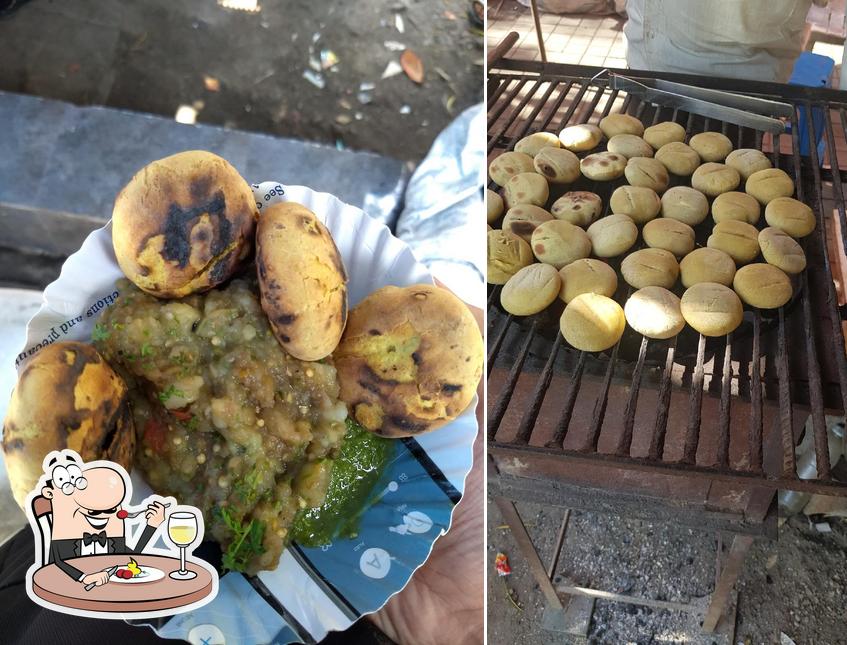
<point x="507" y="254"/>
<point x="533" y="144"/>
<point x="302" y="282"/>
<point x="557" y="165"/>
<point x="67" y="396"/>
<point x="507" y="165"/>
<point x="183" y="224"/>
<point x="410" y="360"/>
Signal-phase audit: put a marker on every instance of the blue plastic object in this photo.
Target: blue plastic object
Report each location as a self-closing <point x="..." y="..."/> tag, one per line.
<point x="812" y="70"/>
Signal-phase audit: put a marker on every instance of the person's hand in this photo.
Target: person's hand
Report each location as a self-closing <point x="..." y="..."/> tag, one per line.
<point x="155" y="514"/>
<point x="444" y="601"/>
<point x="98" y="578"/>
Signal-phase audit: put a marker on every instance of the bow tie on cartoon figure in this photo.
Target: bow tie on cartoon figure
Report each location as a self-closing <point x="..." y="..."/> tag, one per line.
<point x="87" y="515"/>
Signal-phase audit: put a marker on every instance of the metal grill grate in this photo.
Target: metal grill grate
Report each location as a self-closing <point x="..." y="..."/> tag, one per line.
<point x="726" y="409"/>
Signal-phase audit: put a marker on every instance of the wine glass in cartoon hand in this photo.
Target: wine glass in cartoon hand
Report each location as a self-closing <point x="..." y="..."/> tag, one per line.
<point x="182" y="530"/>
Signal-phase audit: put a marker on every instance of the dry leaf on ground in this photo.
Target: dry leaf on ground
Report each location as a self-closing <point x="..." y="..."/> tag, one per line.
<point x="412" y="65"/>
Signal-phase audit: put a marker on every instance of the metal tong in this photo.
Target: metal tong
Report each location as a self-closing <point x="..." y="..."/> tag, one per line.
<point x="747" y="111"/>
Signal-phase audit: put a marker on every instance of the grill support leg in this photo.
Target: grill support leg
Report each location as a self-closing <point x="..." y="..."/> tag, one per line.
<point x="536" y="566"/>
<point x="574" y="615"/>
<point x="729" y="573"/>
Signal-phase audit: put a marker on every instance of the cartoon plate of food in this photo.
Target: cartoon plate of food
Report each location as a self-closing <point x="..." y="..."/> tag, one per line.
<point x="134" y="573"/>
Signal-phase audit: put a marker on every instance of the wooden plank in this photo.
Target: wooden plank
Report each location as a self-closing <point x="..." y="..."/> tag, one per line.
<point x="536" y="566"/>
<point x="729" y="574"/>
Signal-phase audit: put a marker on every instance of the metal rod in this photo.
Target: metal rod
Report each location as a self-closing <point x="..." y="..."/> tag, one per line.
<point x="815" y="395"/>
<point x="577" y="100"/>
<point x="691" y="608"/>
<point x="625" y="442"/>
<point x="533" y="5"/>
<point x="545" y="123"/>
<point x="557" y="104"/>
<point x="560" y="541"/>
<point x="515" y="114"/>
<point x="755" y="430"/>
<point x="532" y="116"/>
<point x="589" y="110"/>
<point x="492" y="99"/>
<point x="508" y="390"/>
<point x="494" y="296"/>
<point x="639" y="107"/>
<point x="657" y="441"/>
<point x="531" y="414"/>
<point x="640" y="111"/>
<point x="786" y="421"/>
<point x="836" y="174"/>
<point x="498" y="111"/>
<point x="814" y="370"/>
<point x="692" y="433"/>
<point x="726" y="403"/>
<point x="740" y="140"/>
<point x="689" y="126"/>
<point x="609" y="104"/>
<point x="719" y="558"/>
<point x="602" y="400"/>
<point x="494" y="348"/>
<point x="558" y="439"/>
<point x="832" y="298"/>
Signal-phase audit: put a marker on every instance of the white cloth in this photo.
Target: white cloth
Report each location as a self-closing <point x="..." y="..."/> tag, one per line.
<point x="444" y="212"/>
<point x="754" y="39"/>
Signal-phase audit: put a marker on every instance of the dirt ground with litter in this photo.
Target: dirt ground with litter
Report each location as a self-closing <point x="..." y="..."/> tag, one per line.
<point x="805" y="568"/>
<point x="153" y="56"/>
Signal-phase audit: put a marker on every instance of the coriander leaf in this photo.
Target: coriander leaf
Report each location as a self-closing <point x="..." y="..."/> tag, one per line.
<point x="99" y="333"/>
<point x="246" y="540"/>
<point x="169" y="392"/>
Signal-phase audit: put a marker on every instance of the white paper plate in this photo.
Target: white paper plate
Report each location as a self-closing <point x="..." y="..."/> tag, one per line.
<point x="314" y="590"/>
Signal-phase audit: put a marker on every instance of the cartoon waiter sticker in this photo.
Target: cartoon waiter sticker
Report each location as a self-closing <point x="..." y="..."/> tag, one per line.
<point x="87" y="518"/>
<point x="86" y="562"/>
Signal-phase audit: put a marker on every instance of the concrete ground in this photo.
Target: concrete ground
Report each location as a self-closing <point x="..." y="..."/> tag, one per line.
<point x="245" y="68"/>
<point x="794" y="585"/>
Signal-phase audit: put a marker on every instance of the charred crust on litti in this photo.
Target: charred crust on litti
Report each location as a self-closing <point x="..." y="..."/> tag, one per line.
<point x="183" y="224"/>
<point x="302" y="281"/>
<point x="88" y="412"/>
<point x="410" y="360"/>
